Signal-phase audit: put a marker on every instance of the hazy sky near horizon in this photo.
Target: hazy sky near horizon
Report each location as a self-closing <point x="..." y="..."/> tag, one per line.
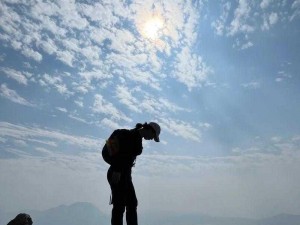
<point x="220" y="77"/>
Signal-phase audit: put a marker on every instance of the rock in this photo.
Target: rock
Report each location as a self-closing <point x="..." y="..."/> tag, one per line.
<point x="21" y="219"/>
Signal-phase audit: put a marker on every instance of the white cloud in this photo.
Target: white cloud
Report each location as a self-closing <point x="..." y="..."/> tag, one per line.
<point x="265" y="3"/>
<point x="62" y="109"/>
<point x="2" y="57"/>
<point x="13" y="96"/>
<point x="125" y="97"/>
<point x="245" y="21"/>
<point x="50" y="143"/>
<point x="20" y="132"/>
<point x="220" y="24"/>
<point x="3" y="140"/>
<point x="66" y="57"/>
<point x="48" y="46"/>
<point x="282" y="75"/>
<point x="181" y="128"/>
<point x="108" y="123"/>
<point x="79" y="103"/>
<point x="269" y="20"/>
<point x="83" y="87"/>
<point x="205" y="125"/>
<point x="296" y="7"/>
<point x="296" y="138"/>
<point x="146" y="103"/>
<point x="190" y="69"/>
<point x="106" y="17"/>
<point x="252" y="85"/>
<point x="95" y="74"/>
<point x="43" y="150"/>
<point x="32" y="54"/>
<point x="107" y="108"/>
<point x="273" y="18"/>
<point x="20" y="143"/>
<point x="16" y="75"/>
<point x="169" y="106"/>
<point x="101" y="47"/>
<point x="74" y="117"/>
<point x="246" y="45"/>
<point x="239" y="23"/>
<point x="276" y="139"/>
<point x="56" y="82"/>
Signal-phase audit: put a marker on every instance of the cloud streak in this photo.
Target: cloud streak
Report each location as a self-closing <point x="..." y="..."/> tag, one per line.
<point x="47" y="136"/>
<point x="13" y="96"/>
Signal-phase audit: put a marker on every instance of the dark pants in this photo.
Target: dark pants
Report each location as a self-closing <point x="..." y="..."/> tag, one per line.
<point x="123" y="196"/>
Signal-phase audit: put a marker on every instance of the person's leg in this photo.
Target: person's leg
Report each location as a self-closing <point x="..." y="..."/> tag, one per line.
<point x="118" y="200"/>
<point x="117" y="214"/>
<point x="131" y="205"/>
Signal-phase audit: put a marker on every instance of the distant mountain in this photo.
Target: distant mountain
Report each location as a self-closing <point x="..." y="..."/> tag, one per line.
<point x="82" y="213"/>
<point x="168" y="218"/>
<point x="282" y="219"/>
<point x="76" y="214"/>
<point x="192" y="219"/>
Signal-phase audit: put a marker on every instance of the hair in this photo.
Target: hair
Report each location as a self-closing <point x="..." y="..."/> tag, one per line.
<point x="145" y="125"/>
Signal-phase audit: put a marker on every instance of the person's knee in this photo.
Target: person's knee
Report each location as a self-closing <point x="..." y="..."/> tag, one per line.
<point x="132" y="205"/>
<point x="118" y="208"/>
<point x="131" y="209"/>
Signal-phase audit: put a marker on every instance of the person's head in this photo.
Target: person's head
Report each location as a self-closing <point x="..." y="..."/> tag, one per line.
<point x="149" y="131"/>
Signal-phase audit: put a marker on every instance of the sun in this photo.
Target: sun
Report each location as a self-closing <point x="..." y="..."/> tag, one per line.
<point x="152" y="28"/>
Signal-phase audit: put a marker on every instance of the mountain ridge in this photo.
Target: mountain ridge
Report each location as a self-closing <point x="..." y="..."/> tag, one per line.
<point x="84" y="213"/>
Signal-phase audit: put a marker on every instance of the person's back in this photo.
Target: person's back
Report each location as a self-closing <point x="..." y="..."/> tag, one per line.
<point x="130" y="146"/>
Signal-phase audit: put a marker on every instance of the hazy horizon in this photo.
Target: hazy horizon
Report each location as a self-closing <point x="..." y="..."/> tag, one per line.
<point x="220" y="77"/>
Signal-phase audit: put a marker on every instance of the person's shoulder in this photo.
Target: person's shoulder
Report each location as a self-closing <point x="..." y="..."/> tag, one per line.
<point x="121" y="132"/>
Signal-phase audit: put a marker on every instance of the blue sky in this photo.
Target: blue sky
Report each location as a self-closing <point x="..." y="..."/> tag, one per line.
<point x="220" y="77"/>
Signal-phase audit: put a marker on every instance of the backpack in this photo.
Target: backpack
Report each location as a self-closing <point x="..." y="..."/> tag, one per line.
<point x="111" y="148"/>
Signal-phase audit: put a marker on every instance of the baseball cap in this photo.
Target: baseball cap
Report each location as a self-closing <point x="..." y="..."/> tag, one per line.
<point x="156" y="128"/>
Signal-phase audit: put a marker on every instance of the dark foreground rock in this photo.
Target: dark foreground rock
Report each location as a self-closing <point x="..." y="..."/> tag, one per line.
<point x="21" y="219"/>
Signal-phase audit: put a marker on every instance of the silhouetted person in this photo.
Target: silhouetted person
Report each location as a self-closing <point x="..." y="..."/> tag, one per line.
<point x="21" y="219"/>
<point x="120" y="151"/>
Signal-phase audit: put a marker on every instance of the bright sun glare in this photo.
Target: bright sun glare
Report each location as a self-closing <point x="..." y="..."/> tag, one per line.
<point x="152" y="28"/>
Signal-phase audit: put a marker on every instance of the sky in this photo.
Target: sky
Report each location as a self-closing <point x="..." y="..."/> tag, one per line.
<point x="220" y="77"/>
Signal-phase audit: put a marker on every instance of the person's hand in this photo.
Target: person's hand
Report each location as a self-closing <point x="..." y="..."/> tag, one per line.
<point x="115" y="178"/>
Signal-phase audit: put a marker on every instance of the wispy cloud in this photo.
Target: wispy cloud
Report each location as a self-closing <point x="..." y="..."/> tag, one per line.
<point x="47" y="136"/>
<point x="64" y="110"/>
<point x="252" y="85"/>
<point x="181" y="128"/>
<point x="296" y="10"/>
<point x="107" y="108"/>
<point x="239" y="22"/>
<point x="282" y="75"/>
<point x="13" y="96"/>
<point x="14" y="74"/>
<point x="220" y="24"/>
<point x="249" y="17"/>
<point x="269" y="20"/>
<point x="56" y="82"/>
<point x="191" y="70"/>
<point x="2" y="57"/>
<point x="265" y="3"/>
